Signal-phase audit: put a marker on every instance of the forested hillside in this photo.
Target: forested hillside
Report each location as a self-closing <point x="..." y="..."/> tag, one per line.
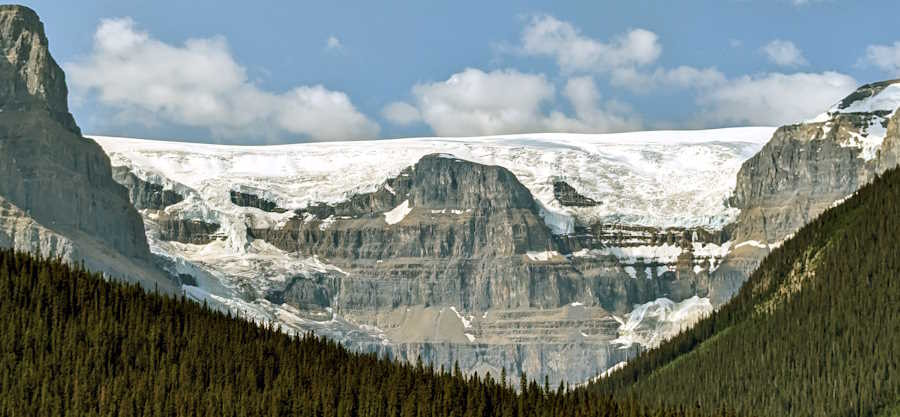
<point x="72" y="344"/>
<point x="815" y="331"/>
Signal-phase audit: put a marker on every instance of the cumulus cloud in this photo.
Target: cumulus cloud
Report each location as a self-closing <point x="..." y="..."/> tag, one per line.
<point x="547" y="36"/>
<point x="199" y="84"/>
<point x="626" y="59"/>
<point x="773" y="99"/>
<point x="400" y="113"/>
<point x="784" y="53"/>
<point x="884" y="57"/>
<point x="591" y="114"/>
<point x="474" y="102"/>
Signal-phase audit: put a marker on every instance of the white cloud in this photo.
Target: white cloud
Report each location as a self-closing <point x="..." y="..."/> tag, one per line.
<point x="590" y="115"/>
<point x="625" y="58"/>
<point x="401" y="113"/>
<point x="679" y="77"/>
<point x="773" y="99"/>
<point x="333" y="44"/>
<point x="884" y="57"/>
<point x="199" y="84"/>
<point x="474" y="102"/>
<point x="548" y="36"/>
<point x="784" y="53"/>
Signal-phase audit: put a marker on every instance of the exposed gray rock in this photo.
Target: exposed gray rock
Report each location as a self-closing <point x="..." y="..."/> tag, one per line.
<point x="186" y="230"/>
<point x="568" y="196"/>
<point x="796" y="176"/>
<point x="30" y="80"/>
<point x="252" y="200"/>
<point x="144" y="194"/>
<point x="802" y="172"/>
<point x="59" y="180"/>
<point x="448" y="238"/>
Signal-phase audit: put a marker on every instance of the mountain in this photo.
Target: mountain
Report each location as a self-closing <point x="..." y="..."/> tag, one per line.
<point x="558" y="255"/>
<point x="814" y="331"/>
<point x="524" y="252"/>
<point x="57" y="194"/>
<point x="73" y="344"/>
<point x="553" y="254"/>
<point x="806" y="168"/>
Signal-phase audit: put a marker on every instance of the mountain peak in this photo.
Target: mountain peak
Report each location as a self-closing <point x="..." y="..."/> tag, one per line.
<point x="29" y="77"/>
<point x="881" y="98"/>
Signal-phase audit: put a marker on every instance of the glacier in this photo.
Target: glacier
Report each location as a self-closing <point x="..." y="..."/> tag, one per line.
<point x="655" y="179"/>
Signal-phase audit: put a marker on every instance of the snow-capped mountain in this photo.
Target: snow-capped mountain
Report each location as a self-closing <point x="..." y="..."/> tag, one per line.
<point x="553" y="254"/>
<point x="522" y="246"/>
<point x="808" y="166"/>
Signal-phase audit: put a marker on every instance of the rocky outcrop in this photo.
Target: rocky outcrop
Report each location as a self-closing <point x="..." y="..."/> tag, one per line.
<point x="796" y="176"/>
<point x="569" y="197"/>
<point x="145" y="194"/>
<point x="889" y="154"/>
<point x="451" y="260"/>
<point x="805" y="168"/>
<point x="443" y="207"/>
<point x="252" y="200"/>
<point x="30" y="80"/>
<point x="192" y="231"/>
<point x="61" y="181"/>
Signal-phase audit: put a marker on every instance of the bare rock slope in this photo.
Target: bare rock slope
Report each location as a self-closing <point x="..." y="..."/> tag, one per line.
<point x="57" y="193"/>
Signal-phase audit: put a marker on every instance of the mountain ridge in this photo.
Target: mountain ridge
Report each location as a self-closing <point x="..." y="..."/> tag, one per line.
<point x="814" y="331"/>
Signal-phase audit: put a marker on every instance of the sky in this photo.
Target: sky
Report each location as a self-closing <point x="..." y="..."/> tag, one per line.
<point x="269" y="72"/>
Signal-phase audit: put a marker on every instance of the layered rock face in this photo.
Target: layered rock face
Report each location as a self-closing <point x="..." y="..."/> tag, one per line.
<point x="446" y="259"/>
<point x="29" y="77"/>
<point x="58" y="193"/>
<point x="806" y="168"/>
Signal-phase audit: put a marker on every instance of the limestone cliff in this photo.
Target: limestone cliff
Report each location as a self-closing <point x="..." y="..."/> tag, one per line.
<point x="805" y="168"/>
<point x="61" y="181"/>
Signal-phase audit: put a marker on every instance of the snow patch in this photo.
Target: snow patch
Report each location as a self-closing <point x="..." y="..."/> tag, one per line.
<point x="652" y="323"/>
<point x="887" y="99"/>
<point x="541" y="256"/>
<point x="754" y="243"/>
<point x="664" y="253"/>
<point x="466" y="321"/>
<point x="397" y="214"/>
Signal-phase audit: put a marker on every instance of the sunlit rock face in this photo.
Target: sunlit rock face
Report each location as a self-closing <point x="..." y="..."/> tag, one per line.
<point x="57" y="194"/>
<point x="525" y="253"/>
<point x="807" y="168"/>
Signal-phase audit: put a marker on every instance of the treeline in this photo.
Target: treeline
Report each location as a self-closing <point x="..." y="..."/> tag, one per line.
<point x="815" y="330"/>
<point x="72" y="344"/>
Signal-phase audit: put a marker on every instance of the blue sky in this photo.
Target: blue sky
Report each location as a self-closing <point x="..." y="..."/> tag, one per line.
<point x="275" y="72"/>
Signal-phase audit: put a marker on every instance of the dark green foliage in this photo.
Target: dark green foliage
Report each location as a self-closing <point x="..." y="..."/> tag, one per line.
<point x="72" y="344"/>
<point x="815" y="330"/>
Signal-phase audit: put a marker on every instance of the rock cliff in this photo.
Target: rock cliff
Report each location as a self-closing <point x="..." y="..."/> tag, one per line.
<point x="58" y="193"/>
<point x="806" y="168"/>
